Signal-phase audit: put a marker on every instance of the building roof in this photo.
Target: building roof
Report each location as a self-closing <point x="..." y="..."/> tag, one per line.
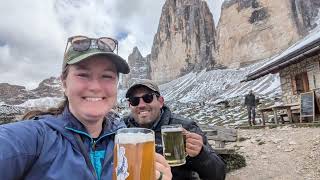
<point x="302" y="49"/>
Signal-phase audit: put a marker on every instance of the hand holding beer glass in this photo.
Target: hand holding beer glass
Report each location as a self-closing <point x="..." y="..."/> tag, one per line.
<point x="194" y="143"/>
<point x="173" y="144"/>
<point x="134" y="154"/>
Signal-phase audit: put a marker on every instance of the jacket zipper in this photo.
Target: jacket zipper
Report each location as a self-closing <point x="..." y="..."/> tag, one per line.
<point x="83" y="150"/>
<point x="93" y="147"/>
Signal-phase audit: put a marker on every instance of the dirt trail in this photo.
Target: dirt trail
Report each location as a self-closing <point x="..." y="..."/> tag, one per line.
<point x="282" y="153"/>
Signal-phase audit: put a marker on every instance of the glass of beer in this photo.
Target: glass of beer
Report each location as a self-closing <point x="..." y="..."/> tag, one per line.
<point x="134" y="154"/>
<point x="173" y="144"/>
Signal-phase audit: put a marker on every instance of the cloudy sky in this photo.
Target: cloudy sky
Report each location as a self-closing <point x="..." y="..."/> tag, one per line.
<point x="33" y="33"/>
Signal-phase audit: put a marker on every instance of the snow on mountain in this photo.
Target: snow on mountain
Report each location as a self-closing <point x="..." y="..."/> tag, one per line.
<point x="8" y="113"/>
<point x="216" y="97"/>
<point x="41" y="103"/>
<point x="217" y="85"/>
<point x="9" y="110"/>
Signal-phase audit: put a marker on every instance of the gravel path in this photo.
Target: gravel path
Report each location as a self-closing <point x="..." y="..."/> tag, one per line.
<point x="282" y="153"/>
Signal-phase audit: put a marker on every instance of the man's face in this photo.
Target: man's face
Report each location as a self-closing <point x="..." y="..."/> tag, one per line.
<point x="145" y="114"/>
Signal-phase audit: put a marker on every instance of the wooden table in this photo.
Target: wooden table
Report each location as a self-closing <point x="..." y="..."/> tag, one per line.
<point x="275" y="108"/>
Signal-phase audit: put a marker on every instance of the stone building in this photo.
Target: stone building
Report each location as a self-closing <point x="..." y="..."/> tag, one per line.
<point x="298" y="68"/>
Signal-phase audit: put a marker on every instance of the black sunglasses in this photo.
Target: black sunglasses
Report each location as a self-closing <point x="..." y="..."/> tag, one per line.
<point x="83" y="43"/>
<point x="147" y="98"/>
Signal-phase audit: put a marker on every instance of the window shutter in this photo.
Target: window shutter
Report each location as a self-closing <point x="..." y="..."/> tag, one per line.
<point x="293" y="85"/>
<point x="305" y="82"/>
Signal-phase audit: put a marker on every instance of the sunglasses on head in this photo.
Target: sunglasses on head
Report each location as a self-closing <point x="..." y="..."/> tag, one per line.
<point x="147" y="98"/>
<point x="83" y="43"/>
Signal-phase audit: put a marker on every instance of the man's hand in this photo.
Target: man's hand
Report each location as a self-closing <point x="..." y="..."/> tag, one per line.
<point x="194" y="143"/>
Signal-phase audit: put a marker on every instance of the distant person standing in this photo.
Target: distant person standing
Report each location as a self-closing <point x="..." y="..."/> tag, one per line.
<point x="250" y="102"/>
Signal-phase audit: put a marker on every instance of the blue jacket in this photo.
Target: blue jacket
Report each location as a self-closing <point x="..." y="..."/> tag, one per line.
<point x="56" y="147"/>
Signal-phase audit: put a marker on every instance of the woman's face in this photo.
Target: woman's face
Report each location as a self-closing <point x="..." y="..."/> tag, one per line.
<point x="91" y="88"/>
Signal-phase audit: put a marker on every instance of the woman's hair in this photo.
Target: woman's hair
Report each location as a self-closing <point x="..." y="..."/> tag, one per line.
<point x="51" y="111"/>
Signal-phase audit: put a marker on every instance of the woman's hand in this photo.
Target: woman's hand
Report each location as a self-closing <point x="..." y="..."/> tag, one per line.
<point x="163" y="170"/>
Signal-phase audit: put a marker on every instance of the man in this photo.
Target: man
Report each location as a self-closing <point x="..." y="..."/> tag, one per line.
<point x="149" y="111"/>
<point x="250" y="102"/>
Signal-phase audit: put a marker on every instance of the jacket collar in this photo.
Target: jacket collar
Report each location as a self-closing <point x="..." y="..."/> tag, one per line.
<point x="164" y="118"/>
<point x="110" y="124"/>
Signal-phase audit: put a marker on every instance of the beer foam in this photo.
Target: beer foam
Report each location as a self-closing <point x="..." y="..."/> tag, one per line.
<point x="178" y="129"/>
<point x="133" y="138"/>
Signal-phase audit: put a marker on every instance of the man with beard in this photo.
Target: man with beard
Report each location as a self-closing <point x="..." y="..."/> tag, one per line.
<point x="149" y="111"/>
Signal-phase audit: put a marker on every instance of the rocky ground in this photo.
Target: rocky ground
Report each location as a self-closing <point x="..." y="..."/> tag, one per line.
<point x="282" y="153"/>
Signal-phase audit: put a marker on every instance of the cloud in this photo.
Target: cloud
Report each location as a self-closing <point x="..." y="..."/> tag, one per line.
<point x="33" y="33"/>
<point x="32" y="38"/>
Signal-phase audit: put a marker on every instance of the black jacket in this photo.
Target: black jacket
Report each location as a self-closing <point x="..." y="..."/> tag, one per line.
<point x="250" y="100"/>
<point x="207" y="164"/>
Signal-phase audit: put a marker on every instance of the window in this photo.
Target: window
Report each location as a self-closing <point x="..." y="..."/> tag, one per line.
<point x="300" y="83"/>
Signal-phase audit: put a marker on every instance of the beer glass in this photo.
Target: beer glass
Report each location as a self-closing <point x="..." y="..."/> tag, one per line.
<point x="134" y="154"/>
<point x="173" y="144"/>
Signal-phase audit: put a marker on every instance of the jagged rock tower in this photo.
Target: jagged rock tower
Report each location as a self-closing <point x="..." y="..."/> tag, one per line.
<point x="184" y="41"/>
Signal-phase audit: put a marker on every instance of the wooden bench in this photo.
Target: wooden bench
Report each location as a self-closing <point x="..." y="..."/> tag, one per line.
<point x="295" y="112"/>
<point x="284" y="109"/>
<point x="218" y="136"/>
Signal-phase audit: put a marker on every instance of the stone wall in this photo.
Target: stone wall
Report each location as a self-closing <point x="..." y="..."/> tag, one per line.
<point x="311" y="66"/>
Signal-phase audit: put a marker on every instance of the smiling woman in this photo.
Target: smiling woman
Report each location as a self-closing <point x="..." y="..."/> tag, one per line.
<point x="75" y="140"/>
<point x="91" y="89"/>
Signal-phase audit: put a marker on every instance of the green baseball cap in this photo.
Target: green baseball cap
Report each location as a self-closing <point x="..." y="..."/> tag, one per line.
<point x="143" y="83"/>
<point x="72" y="57"/>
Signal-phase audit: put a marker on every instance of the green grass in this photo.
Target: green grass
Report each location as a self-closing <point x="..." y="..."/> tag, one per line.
<point x="234" y="161"/>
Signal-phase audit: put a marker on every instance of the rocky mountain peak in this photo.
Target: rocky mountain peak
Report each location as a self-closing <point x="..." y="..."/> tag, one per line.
<point x="6" y="87"/>
<point x="50" y="87"/>
<point x="10" y="93"/>
<point x="135" y="53"/>
<point x="184" y="41"/>
<point x="14" y="94"/>
<point x="139" y="67"/>
<point x="51" y="81"/>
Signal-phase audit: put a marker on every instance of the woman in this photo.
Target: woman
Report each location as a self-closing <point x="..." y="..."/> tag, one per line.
<point x="74" y="141"/>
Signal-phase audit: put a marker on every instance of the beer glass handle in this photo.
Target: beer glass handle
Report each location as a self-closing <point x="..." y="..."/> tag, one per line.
<point x="185" y="145"/>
